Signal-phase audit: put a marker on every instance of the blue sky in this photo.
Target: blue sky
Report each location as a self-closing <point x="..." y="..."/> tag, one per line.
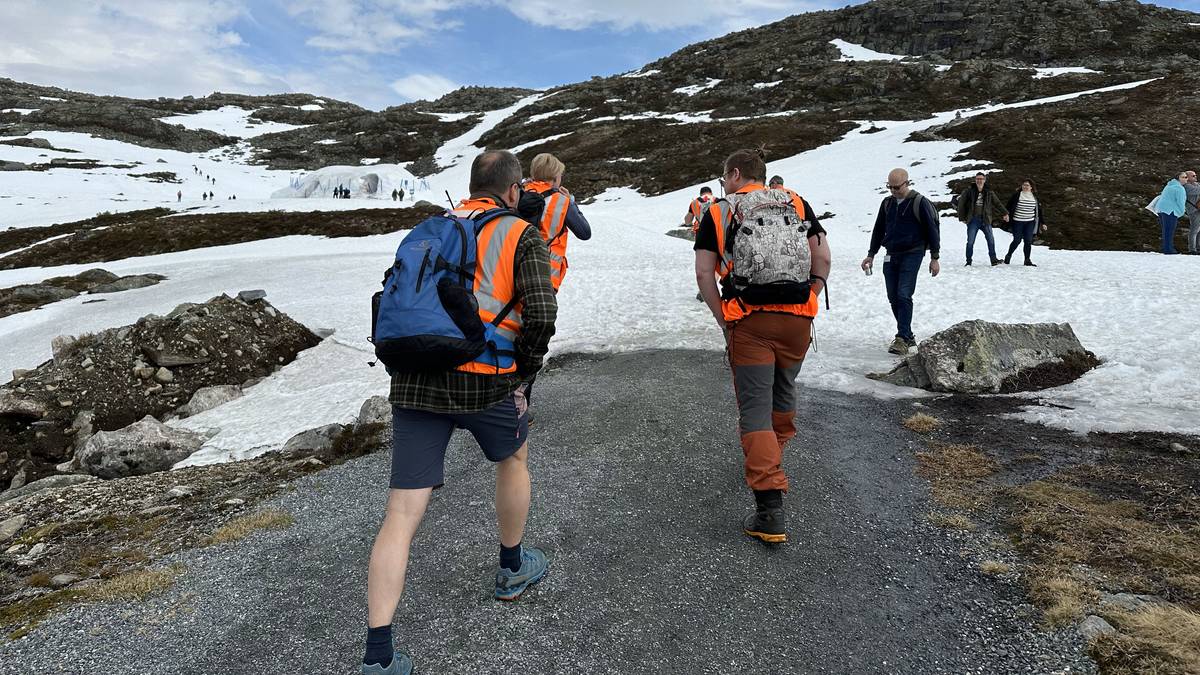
<point x="372" y="52"/>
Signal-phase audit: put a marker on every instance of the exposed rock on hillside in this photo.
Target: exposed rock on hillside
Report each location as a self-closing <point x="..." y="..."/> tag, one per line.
<point x="106" y="381"/>
<point x="31" y="296"/>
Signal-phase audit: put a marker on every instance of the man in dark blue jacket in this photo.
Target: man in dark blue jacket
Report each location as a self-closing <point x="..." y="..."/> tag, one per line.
<point x="907" y="226"/>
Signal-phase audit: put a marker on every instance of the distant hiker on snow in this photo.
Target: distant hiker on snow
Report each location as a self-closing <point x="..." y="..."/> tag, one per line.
<point x="1171" y="205"/>
<point x="1192" y="193"/>
<point x="179" y="195"/>
<point x="978" y="208"/>
<point x="401" y="194"/>
<point x="394" y="193"/>
<point x="204" y="196"/>
<point x="1027" y="220"/>
<point x="696" y="209"/>
<point x="907" y="225"/>
<point x="771" y="275"/>
<point x="484" y="394"/>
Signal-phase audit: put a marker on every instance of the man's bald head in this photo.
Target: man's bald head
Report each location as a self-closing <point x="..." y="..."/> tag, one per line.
<point x="898" y="183"/>
<point x="494" y="172"/>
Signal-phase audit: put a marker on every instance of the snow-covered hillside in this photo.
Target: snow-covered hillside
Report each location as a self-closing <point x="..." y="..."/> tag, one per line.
<point x="629" y="288"/>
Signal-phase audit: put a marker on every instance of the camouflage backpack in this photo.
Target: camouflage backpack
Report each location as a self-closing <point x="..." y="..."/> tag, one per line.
<point x="768" y="241"/>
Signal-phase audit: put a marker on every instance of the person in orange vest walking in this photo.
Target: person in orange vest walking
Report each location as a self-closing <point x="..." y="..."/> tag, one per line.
<point x="776" y="183"/>
<point x="512" y="290"/>
<point x="772" y="258"/>
<point x="552" y="208"/>
<point x="697" y="208"/>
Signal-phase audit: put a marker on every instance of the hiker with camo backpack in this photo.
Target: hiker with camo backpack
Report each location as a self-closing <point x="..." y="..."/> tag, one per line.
<point x="772" y="259"/>
<point x="462" y="324"/>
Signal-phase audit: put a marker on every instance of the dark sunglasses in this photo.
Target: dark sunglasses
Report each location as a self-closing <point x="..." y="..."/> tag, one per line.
<point x="897" y="187"/>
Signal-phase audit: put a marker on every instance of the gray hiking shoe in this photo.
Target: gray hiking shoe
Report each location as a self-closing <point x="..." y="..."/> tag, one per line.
<point x="510" y="585"/>
<point x="899" y="346"/>
<point x="401" y="665"/>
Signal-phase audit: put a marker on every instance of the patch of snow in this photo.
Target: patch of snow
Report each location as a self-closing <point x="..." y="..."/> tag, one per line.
<point x="367" y="161"/>
<point x="768" y="85"/>
<point x="853" y="52"/>
<point x="51" y="98"/>
<point x="20" y="111"/>
<point x="229" y="120"/>
<point x="694" y="89"/>
<point x="310" y="107"/>
<point x="326" y="141"/>
<point x="547" y="115"/>
<point x="450" y="117"/>
<point x="643" y="73"/>
<point x="941" y="67"/>
<point x="526" y="146"/>
<point x="626" y="159"/>
<point x="1055" y="72"/>
<point x="613" y="100"/>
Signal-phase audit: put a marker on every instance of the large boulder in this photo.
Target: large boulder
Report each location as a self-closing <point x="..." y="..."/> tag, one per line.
<point x="39" y="294"/>
<point x="143" y="447"/>
<point x="48" y="483"/>
<point x="126" y="284"/>
<point x="980" y="357"/>
<point x="313" y="441"/>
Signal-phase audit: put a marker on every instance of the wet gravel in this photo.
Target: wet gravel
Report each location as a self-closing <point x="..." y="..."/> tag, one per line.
<point x="638" y="497"/>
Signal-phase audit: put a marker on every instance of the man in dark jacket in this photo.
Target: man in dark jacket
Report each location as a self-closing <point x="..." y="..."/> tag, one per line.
<point x="907" y="226"/>
<point x="979" y="207"/>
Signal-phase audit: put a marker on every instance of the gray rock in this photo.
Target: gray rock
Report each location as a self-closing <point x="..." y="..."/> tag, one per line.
<point x="47" y="483"/>
<point x="18" y="373"/>
<point x="83" y="427"/>
<point x="181" y="492"/>
<point x="1129" y="602"/>
<point x="249" y="296"/>
<point x="97" y="276"/>
<point x="64" y="580"/>
<point x="207" y="398"/>
<point x="980" y="357"/>
<point x="15" y="549"/>
<point x="10" y="527"/>
<point x="375" y="410"/>
<point x="163" y="375"/>
<point x="62" y="346"/>
<point x="40" y="294"/>
<point x="313" y="440"/>
<point x="1181" y="449"/>
<point x="143" y="447"/>
<point x="13" y="405"/>
<point x="324" y="332"/>
<point x="18" y="479"/>
<point x="1093" y="627"/>
<point x="144" y="372"/>
<point x="181" y="309"/>
<point x="125" y="284"/>
<point x="37" y="550"/>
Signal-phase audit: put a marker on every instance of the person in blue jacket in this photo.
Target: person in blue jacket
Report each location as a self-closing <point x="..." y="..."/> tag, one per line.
<point x="1171" y="205"/>
<point x="907" y="226"/>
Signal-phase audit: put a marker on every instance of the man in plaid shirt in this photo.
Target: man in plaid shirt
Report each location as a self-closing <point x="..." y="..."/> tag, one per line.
<point x="427" y="407"/>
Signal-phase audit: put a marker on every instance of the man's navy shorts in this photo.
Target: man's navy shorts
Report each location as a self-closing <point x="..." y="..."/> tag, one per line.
<point x="420" y="438"/>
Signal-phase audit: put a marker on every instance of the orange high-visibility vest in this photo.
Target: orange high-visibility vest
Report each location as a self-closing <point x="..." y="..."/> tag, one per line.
<point x="553" y="228"/>
<point x="735" y="309"/>
<point x="697" y="208"/>
<point x="495" y="282"/>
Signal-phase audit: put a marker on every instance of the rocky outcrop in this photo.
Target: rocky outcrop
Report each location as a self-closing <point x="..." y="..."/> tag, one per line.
<point x="109" y="380"/>
<point x="48" y="483"/>
<point x="143" y="447"/>
<point x="980" y="357"/>
<point x="32" y="296"/>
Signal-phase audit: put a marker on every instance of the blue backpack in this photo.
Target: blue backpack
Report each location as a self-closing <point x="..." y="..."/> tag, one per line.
<point x="426" y="318"/>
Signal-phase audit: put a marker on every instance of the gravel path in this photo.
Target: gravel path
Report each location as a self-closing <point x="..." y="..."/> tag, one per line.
<point x="638" y="497"/>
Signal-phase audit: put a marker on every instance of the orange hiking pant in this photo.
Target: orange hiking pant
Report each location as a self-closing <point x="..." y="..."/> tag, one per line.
<point x="766" y="351"/>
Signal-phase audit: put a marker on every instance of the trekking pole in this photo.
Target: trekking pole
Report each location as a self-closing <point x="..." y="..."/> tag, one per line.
<point x="450" y="199"/>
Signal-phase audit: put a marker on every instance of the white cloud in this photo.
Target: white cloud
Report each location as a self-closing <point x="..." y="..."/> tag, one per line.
<point x="139" y="48"/>
<point x="423" y="86"/>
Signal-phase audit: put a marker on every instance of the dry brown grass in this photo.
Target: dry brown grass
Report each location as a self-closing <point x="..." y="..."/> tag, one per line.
<point x="922" y="423"/>
<point x="240" y="528"/>
<point x="1063" y="599"/>
<point x="995" y="567"/>
<point x="135" y="585"/>
<point x="1155" y="640"/>
<point x="952" y="521"/>
<point x="956" y="462"/>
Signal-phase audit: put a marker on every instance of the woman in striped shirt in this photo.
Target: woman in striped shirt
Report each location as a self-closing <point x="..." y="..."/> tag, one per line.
<point x="1027" y="220"/>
